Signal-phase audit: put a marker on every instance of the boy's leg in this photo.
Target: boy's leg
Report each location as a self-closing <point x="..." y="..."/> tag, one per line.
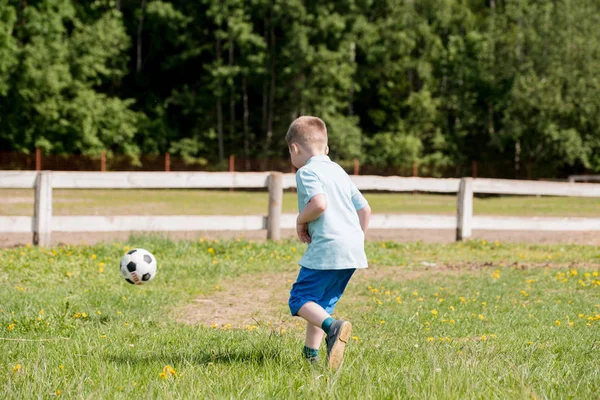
<point x="310" y="290"/>
<point x="313" y="313"/>
<point x="338" y="332"/>
<point x="314" y="336"/>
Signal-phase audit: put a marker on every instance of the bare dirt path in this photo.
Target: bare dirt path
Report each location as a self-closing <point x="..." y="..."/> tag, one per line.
<point x="261" y="299"/>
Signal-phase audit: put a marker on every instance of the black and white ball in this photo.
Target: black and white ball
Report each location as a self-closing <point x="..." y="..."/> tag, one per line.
<point x="138" y="266"/>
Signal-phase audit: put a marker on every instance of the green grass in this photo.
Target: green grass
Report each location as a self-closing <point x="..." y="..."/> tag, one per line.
<point x="204" y="202"/>
<point x="489" y="320"/>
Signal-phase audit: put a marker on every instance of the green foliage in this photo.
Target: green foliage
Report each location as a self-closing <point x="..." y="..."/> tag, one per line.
<point x="439" y="83"/>
<point x="53" y="101"/>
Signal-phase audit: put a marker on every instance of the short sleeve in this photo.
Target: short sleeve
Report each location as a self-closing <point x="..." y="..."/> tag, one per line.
<point x="308" y="183"/>
<point x="358" y="200"/>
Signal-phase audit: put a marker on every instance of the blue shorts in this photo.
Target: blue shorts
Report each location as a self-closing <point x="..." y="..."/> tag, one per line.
<point x="324" y="287"/>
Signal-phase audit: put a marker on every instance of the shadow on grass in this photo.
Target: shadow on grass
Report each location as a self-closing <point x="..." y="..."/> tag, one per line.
<point x="254" y="356"/>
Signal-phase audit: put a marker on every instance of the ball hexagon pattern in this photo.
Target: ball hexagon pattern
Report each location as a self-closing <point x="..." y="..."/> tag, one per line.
<point x="138" y="266"/>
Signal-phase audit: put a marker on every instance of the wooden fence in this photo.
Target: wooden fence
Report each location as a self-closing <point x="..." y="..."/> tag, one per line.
<point x="584" y="178"/>
<point x="43" y="222"/>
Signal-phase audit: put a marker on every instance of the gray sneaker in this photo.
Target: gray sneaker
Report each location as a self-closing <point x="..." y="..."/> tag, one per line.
<point x="336" y="340"/>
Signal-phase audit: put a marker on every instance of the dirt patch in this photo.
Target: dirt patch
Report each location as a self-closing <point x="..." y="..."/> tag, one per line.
<point x="400" y="235"/>
<point x="261" y="299"/>
<point x="254" y="299"/>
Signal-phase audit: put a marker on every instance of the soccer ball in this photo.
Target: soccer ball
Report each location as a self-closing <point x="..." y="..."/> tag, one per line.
<point x="138" y="266"/>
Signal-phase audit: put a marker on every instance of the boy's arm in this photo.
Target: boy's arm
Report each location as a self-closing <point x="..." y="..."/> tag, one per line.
<point x="364" y="215"/>
<point x="313" y="210"/>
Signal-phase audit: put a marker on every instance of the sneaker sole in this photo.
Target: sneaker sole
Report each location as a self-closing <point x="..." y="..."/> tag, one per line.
<point x="336" y="356"/>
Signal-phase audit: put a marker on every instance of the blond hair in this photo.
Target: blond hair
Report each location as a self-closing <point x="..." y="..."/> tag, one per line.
<point x="307" y="131"/>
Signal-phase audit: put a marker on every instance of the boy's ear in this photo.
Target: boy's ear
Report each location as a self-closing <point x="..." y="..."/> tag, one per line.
<point x="326" y="150"/>
<point x="294" y="148"/>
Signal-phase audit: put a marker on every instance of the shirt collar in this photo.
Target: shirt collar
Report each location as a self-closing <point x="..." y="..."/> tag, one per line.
<point x="321" y="158"/>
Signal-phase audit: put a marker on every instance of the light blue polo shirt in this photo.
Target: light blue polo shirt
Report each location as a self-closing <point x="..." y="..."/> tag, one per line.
<point x="337" y="241"/>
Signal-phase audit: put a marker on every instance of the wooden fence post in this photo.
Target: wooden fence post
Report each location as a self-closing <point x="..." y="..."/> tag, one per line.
<point x="415" y="170"/>
<point x="38" y="159"/>
<point x="464" y="209"/>
<point x="103" y="161"/>
<point x="167" y="162"/>
<point x="356" y="166"/>
<point x="275" y="205"/>
<point x="42" y="228"/>
<point x="231" y="166"/>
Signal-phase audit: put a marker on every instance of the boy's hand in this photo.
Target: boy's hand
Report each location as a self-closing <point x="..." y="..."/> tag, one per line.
<point x="302" y="230"/>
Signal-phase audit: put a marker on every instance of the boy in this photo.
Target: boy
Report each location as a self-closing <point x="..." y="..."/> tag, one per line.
<point x="333" y="219"/>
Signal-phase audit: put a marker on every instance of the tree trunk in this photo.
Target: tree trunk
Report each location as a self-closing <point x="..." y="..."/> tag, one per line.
<point x="517" y="157"/>
<point x="118" y="5"/>
<point x="220" y="107"/>
<point x="22" y="7"/>
<point x="491" y="128"/>
<point x="231" y="93"/>
<point x="271" y="111"/>
<point x="139" y="37"/>
<point x="351" y="94"/>
<point x="246" y="116"/>
<point x="265" y="101"/>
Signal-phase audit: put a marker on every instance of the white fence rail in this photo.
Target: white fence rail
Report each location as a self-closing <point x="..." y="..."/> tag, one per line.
<point x="43" y="222"/>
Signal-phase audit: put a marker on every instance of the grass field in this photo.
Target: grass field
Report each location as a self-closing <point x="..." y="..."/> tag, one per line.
<point x="473" y="320"/>
<point x="204" y="202"/>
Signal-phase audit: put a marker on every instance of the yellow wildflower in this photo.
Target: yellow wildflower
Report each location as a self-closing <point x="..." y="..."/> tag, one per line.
<point x="557" y="322"/>
<point x="169" y="370"/>
<point x="17" y="368"/>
